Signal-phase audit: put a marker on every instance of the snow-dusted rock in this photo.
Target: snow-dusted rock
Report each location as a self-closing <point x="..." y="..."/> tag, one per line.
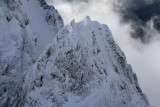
<point x="44" y="20"/>
<point x="20" y="43"/>
<point x="83" y="67"/>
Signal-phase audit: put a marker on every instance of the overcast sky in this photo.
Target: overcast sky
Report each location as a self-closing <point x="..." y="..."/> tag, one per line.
<point x="137" y="37"/>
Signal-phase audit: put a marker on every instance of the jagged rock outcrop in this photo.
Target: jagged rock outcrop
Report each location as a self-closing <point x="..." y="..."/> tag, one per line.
<point x="20" y="44"/>
<point x="83" y="67"/>
<point x="52" y="17"/>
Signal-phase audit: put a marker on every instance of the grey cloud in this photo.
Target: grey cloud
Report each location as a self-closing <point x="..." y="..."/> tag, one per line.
<point x="139" y="13"/>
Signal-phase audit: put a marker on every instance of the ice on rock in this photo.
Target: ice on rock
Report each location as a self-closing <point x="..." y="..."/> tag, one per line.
<point x="83" y="67"/>
<point x="87" y="20"/>
<point x="72" y="22"/>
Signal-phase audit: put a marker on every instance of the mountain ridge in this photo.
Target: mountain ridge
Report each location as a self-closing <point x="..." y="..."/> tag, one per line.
<point x="79" y="65"/>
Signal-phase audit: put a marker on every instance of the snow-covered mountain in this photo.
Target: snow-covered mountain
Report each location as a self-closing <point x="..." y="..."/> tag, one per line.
<point x="43" y="64"/>
<point x="83" y="67"/>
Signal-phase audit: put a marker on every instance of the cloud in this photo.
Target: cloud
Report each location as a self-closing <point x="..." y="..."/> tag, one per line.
<point x="139" y="13"/>
<point x="141" y="48"/>
<point x="145" y="63"/>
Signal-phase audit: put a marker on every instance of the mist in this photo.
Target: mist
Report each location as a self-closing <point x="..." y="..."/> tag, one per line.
<point x="137" y="36"/>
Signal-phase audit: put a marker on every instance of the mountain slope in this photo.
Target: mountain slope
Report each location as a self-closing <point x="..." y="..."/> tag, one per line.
<point x="44" y="20"/>
<point x="83" y="67"/>
<point x="21" y="42"/>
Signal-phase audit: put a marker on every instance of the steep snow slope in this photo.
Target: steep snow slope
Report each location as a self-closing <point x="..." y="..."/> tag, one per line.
<point x="44" y="20"/>
<point x="83" y="67"/>
<point x="17" y="48"/>
<point x="20" y="42"/>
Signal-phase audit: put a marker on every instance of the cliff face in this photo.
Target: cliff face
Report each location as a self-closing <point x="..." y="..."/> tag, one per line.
<point x="21" y="42"/>
<point x="81" y="66"/>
